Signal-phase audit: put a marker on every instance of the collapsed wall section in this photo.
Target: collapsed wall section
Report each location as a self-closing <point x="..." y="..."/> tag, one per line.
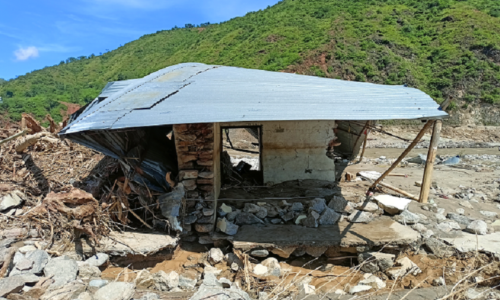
<point x="195" y="156"/>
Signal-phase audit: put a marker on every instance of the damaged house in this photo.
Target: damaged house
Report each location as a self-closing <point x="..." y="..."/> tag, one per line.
<point x="177" y="132"/>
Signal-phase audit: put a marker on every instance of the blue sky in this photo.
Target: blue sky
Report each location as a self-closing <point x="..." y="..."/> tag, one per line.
<point x="39" y="33"/>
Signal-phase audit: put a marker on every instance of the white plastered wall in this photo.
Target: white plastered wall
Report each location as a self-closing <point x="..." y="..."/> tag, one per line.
<point x="293" y="149"/>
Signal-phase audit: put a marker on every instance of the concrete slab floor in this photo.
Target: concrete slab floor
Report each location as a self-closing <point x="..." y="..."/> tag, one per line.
<point x="381" y="231"/>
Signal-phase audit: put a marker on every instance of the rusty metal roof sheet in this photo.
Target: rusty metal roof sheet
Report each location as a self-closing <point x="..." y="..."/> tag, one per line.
<point x="199" y="93"/>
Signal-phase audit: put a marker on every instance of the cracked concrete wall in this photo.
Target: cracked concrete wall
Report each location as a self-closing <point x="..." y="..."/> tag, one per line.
<point x="294" y="149"/>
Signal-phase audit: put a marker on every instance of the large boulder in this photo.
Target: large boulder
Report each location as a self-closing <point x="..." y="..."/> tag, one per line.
<point x="63" y="270"/>
<point x="477" y="227"/>
<point x="166" y="282"/>
<point x="115" y="291"/>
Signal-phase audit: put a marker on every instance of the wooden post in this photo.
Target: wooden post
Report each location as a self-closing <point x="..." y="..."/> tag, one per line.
<point x="364" y="146"/>
<point x="429" y="164"/>
<point x="400" y="158"/>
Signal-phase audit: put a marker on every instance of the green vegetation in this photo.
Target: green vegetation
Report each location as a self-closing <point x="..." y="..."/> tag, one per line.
<point x="444" y="47"/>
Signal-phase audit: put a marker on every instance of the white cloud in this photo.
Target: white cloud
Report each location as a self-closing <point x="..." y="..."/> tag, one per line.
<point x="26" y="53"/>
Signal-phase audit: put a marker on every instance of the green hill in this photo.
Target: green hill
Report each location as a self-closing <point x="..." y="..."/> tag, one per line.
<point x="444" y="47"/>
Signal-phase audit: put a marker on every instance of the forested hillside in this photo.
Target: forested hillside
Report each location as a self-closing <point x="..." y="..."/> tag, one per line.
<point x="444" y="47"/>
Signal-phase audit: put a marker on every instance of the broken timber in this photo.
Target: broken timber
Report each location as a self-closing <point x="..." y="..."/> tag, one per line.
<point x="429" y="164"/>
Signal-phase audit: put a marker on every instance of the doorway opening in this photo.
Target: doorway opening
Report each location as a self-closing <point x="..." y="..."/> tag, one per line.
<point x="241" y="159"/>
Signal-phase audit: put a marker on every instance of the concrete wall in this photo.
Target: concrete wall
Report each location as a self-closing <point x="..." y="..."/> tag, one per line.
<point x="293" y="149"/>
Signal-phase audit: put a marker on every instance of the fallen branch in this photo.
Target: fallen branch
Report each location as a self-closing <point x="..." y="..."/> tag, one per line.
<point x="15" y="136"/>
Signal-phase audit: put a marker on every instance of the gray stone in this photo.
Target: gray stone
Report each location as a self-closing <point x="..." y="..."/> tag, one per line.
<point x="245" y="218"/>
<point x="98" y="283"/>
<point x="40" y="259"/>
<point x="251" y="208"/>
<point x="460" y="219"/>
<point x="115" y="291"/>
<point x="273" y="266"/>
<point x="232" y="215"/>
<point x="489" y="214"/>
<point x="215" y="255"/>
<point x="460" y="211"/>
<point x="315" y="215"/>
<point x="367" y="206"/>
<point x="288" y="216"/>
<point x="62" y="269"/>
<point x="227" y="227"/>
<point x="316" y="251"/>
<point x="407" y="218"/>
<point x="11" y="285"/>
<point x="65" y="292"/>
<point x="404" y="266"/>
<point x="208" y="211"/>
<point x="165" y="282"/>
<point x="87" y="271"/>
<point x="234" y="261"/>
<point x="419" y="227"/>
<point x="187" y="283"/>
<point x="26" y="249"/>
<point x="318" y="205"/>
<point x="477" y="227"/>
<point x="259" y="253"/>
<point x="338" y="204"/>
<point x="438" y="247"/>
<point x="448" y="226"/>
<point x="358" y="216"/>
<point x="466" y="204"/>
<point x="170" y="205"/>
<point x="203" y="228"/>
<point x="310" y="221"/>
<point x="215" y="290"/>
<point x="262" y="213"/>
<point x="97" y="260"/>
<point x="205" y="240"/>
<point x="24" y="264"/>
<point x="274" y="212"/>
<point x="440" y="217"/>
<point x="329" y="217"/>
<point x="190" y="219"/>
<point x="297" y="206"/>
<point x="372" y="262"/>
<point x="206" y="220"/>
<point x="150" y="296"/>
<point x="275" y="221"/>
<point x="11" y="200"/>
<point x="4" y="243"/>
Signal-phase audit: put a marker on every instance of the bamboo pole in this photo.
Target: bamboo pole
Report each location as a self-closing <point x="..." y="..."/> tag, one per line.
<point x="13" y="136"/>
<point x="403" y="155"/>
<point x="429" y="164"/>
<point x="364" y="146"/>
<point x="406" y="194"/>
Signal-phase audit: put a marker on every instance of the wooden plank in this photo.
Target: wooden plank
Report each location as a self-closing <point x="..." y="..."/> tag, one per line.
<point x="429" y="164"/>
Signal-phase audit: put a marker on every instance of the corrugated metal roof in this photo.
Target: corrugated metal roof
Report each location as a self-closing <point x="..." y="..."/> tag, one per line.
<point x="199" y="93"/>
<point x="115" y="86"/>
